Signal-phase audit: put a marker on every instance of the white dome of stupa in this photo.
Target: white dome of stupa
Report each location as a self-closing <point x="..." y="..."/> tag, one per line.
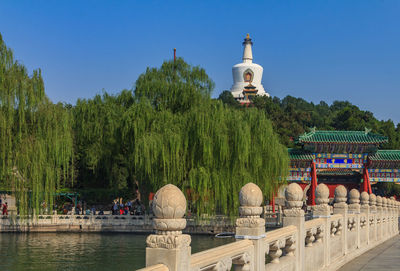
<point x="247" y="76"/>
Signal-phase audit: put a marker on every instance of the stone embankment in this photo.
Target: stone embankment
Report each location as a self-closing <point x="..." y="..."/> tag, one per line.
<point x="334" y="236"/>
<point x="106" y="223"/>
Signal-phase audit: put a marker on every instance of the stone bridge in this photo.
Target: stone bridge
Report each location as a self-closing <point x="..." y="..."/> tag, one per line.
<point x="334" y="236"/>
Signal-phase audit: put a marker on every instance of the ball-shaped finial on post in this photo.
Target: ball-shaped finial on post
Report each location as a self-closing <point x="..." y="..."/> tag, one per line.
<point x="392" y="202"/>
<point x="354" y="196"/>
<point x="250" y="195"/>
<point x="169" y="207"/>
<point x="372" y="200"/>
<point x="169" y="202"/>
<point x="340" y="194"/>
<point x="250" y="199"/>
<point x="294" y="196"/>
<point x="322" y="194"/>
<point x="364" y="198"/>
<point x="384" y="202"/>
<point x="378" y="201"/>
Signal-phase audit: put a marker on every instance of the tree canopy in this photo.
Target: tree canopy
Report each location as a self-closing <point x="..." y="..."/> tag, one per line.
<point x="36" y="155"/>
<point x="171" y="131"/>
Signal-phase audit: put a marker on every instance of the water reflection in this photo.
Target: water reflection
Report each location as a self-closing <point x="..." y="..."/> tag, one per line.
<point x="81" y="251"/>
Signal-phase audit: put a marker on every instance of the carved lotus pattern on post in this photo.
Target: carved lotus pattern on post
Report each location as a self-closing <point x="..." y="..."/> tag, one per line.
<point x="340" y="194"/>
<point x="169" y="202"/>
<point x="250" y="195"/>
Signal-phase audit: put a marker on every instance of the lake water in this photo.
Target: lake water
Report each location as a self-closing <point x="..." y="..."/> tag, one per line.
<point x="82" y="251"/>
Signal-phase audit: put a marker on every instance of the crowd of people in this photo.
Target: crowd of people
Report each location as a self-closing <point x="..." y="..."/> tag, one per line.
<point x="117" y="207"/>
<point x="130" y="207"/>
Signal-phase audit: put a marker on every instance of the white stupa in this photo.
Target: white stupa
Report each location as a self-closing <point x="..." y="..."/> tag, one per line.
<point x="247" y="76"/>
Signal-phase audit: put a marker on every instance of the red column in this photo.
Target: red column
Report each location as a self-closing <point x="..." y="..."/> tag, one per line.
<point x="369" y="182"/>
<point x="366" y="183"/>
<point x="314" y="182"/>
<point x="273" y="203"/>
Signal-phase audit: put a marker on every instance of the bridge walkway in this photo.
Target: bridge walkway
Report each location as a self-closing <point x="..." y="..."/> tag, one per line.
<point x="384" y="257"/>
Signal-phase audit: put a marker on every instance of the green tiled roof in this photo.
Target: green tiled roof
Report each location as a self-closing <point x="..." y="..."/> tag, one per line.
<point x="352" y="137"/>
<point x="298" y="154"/>
<point x="386" y="155"/>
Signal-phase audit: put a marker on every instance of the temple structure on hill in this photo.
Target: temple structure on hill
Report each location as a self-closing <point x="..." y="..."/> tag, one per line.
<point x="247" y="76"/>
<point x="350" y="158"/>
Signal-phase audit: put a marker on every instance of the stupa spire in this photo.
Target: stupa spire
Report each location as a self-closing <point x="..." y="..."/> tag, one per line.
<point x="247" y="52"/>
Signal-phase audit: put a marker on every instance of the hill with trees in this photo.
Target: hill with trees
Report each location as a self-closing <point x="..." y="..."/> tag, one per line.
<point x="292" y="117"/>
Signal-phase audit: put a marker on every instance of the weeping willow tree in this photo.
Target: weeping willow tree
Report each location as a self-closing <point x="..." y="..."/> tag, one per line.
<point x="36" y="136"/>
<point x="171" y="131"/>
<point x="176" y="134"/>
<point x="101" y="154"/>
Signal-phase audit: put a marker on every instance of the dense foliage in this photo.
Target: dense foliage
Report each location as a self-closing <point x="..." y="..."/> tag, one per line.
<point x="36" y="137"/>
<point x="293" y="116"/>
<point x="171" y="131"/>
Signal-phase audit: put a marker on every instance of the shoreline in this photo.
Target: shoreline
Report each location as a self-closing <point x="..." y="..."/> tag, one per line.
<point x="105" y="224"/>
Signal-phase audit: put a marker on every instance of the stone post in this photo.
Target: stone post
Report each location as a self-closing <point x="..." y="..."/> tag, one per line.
<point x="389" y="216"/>
<point x="168" y="245"/>
<point x="250" y="225"/>
<point x="392" y="223"/>
<point x="379" y="215"/>
<point x="372" y="209"/>
<point x="365" y="209"/>
<point x="322" y="210"/>
<point x="354" y="208"/>
<point x="294" y="215"/>
<point x="340" y="207"/>
<point x="396" y="217"/>
<point x="394" y="212"/>
<point x="385" y="217"/>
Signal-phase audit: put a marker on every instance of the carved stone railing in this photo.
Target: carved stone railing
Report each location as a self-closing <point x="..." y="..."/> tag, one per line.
<point x="75" y="222"/>
<point x="280" y="246"/>
<point x="356" y="223"/>
<point x="314" y="231"/>
<point x="336" y="225"/>
<point x="239" y="253"/>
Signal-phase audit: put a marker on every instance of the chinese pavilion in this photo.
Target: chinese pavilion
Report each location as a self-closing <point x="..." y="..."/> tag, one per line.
<point x="349" y="158"/>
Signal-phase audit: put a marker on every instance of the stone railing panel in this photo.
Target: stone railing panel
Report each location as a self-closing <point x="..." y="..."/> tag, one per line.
<point x="223" y="257"/>
<point x="314" y="244"/>
<point x="336" y="249"/>
<point x="280" y="248"/>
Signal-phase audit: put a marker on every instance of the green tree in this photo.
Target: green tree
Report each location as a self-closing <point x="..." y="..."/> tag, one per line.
<point x="175" y="86"/>
<point x="36" y="156"/>
<point x="227" y="98"/>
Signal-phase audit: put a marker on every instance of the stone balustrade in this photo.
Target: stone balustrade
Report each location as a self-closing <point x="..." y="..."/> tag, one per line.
<point x="336" y="234"/>
<point x="67" y="223"/>
<point x="107" y="223"/>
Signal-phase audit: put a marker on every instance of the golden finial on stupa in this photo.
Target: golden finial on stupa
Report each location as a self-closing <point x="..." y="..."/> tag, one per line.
<point x="247" y="36"/>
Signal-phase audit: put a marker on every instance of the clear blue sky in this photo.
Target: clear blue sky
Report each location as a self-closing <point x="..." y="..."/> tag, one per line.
<point x="318" y="50"/>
